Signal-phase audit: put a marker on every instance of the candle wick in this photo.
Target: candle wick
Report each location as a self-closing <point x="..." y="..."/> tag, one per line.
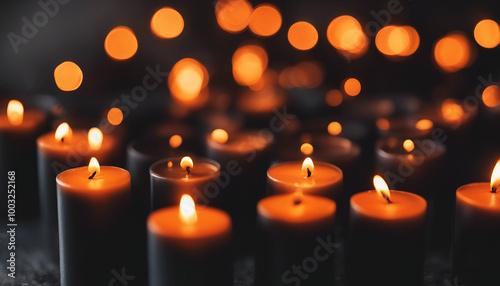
<point x="188" y="170"/>
<point x="494" y="189"/>
<point x="387" y="198"/>
<point x="93" y="175"/>
<point x="308" y="172"/>
<point x="297" y="201"/>
<point x="62" y="139"/>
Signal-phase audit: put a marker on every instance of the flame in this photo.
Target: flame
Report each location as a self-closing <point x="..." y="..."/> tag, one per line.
<point x="334" y="128"/>
<point x="187" y="210"/>
<point x="408" y="145"/>
<point x="115" y="116"/>
<point x="346" y="35"/>
<point x="249" y="63"/>
<point x="95" y="138"/>
<point x="334" y="97"/>
<point x="453" y="52"/>
<point x="352" y="86"/>
<point x="175" y="141"/>
<point x="487" y="33"/>
<point x="302" y="36"/>
<point x="187" y="79"/>
<point x="68" y="76"/>
<point x="491" y="96"/>
<point x="94" y="166"/>
<point x="306" y="149"/>
<point x="381" y="187"/>
<point x="308" y="167"/>
<point x="167" y="23"/>
<point x="495" y="177"/>
<point x="63" y="132"/>
<point x="424" y="124"/>
<point x="15" y="112"/>
<point x="265" y="20"/>
<point x="187" y="163"/>
<point x="219" y="136"/>
<point x="451" y="111"/>
<point x="121" y="43"/>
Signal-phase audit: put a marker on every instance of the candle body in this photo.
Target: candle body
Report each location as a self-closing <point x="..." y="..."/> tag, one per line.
<point x="477" y="229"/>
<point x="18" y="154"/>
<point x="385" y="245"/>
<point x="93" y="224"/>
<point x="295" y="242"/>
<point x="168" y="184"/>
<point x="185" y="255"/>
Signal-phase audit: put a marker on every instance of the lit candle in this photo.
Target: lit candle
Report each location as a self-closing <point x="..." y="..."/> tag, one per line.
<point x="313" y="178"/>
<point x="93" y="204"/>
<point x="477" y="229"/>
<point x="385" y="245"/>
<point x="59" y="151"/>
<point x="172" y="178"/>
<point x="188" y="246"/>
<point x="19" y="129"/>
<point x="406" y="127"/>
<point x="295" y="242"/>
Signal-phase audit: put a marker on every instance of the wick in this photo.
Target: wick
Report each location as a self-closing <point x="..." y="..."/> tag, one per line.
<point x="308" y="172"/>
<point x="387" y="198"/>
<point x="93" y="175"/>
<point x="297" y="201"/>
<point x="188" y="169"/>
<point x="494" y="190"/>
<point x="62" y="139"/>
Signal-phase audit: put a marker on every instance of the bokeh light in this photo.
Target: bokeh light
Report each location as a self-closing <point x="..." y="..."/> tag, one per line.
<point x="334" y="97"/>
<point x="352" y="86"/>
<point x="397" y="40"/>
<point x="453" y="52"/>
<point x="121" y="43"/>
<point x="115" y="116"/>
<point x="302" y="36"/>
<point x="424" y="124"/>
<point x="175" y="141"/>
<point x="68" y="76"/>
<point x="451" y="110"/>
<point x="187" y="79"/>
<point x="347" y="36"/>
<point x="265" y="20"/>
<point x="233" y="16"/>
<point x="306" y="149"/>
<point x="491" y="96"/>
<point x="334" y="128"/>
<point x="249" y="63"/>
<point x="487" y="34"/>
<point x="167" y="23"/>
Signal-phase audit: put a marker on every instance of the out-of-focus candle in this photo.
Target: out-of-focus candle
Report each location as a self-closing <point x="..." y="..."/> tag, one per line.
<point x="295" y="242"/>
<point x="189" y="245"/>
<point x="93" y="204"/>
<point x="172" y="178"/>
<point x="477" y="229"/>
<point x="386" y="237"/>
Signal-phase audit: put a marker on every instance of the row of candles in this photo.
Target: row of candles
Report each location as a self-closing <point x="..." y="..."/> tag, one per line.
<point x="386" y="228"/>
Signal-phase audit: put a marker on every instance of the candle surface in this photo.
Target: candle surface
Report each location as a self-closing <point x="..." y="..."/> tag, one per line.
<point x="108" y="180"/>
<point x="31" y="121"/>
<point x="479" y="196"/>
<point x="78" y="143"/>
<point x="200" y="170"/>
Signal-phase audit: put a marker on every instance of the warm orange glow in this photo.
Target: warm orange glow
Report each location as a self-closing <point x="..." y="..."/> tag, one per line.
<point x="495" y="177"/>
<point x="219" y="136"/>
<point x="381" y="187"/>
<point x="63" y="132"/>
<point x="453" y="52"/>
<point x="15" y="112"/>
<point x="491" y="96"/>
<point x="306" y="149"/>
<point x="309" y="74"/>
<point x="167" y="23"/>
<point x="170" y="164"/>
<point x="187" y="210"/>
<point x="68" y="76"/>
<point x="265" y="20"/>
<point x="424" y="124"/>
<point x="175" y="141"/>
<point x="308" y="167"/>
<point x="115" y="116"/>
<point x="186" y="163"/>
<point x="187" y="79"/>
<point x="408" y="145"/>
<point x="95" y="138"/>
<point x="121" y="43"/>
<point x="94" y="166"/>
<point x="487" y="34"/>
<point x="302" y="36"/>
<point x="451" y="111"/>
<point x="334" y="97"/>
<point x="346" y="34"/>
<point x="352" y="86"/>
<point x="249" y="63"/>
<point x="334" y="128"/>
<point x="397" y="40"/>
<point x="383" y="124"/>
<point x="233" y="16"/>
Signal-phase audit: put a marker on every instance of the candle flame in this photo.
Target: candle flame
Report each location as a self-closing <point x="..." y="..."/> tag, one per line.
<point x="424" y="124"/>
<point x="63" y="132"/>
<point x="219" y="136"/>
<point x="495" y="178"/>
<point x="175" y="141"/>
<point x="308" y="166"/>
<point x="306" y="149"/>
<point x="15" y="112"/>
<point x="382" y="188"/>
<point x="95" y="138"/>
<point x="187" y="210"/>
<point x="94" y="167"/>
<point x="187" y="163"/>
<point x="334" y="128"/>
<point x="408" y="145"/>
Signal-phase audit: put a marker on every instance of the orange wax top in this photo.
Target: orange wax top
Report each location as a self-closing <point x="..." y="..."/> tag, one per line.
<point x="78" y="144"/>
<point x="291" y="174"/>
<point x="285" y="209"/>
<point x="243" y="142"/>
<point x="31" y="120"/>
<point x="404" y="205"/>
<point x="108" y="180"/>
<point x="479" y="196"/>
<point x="202" y="169"/>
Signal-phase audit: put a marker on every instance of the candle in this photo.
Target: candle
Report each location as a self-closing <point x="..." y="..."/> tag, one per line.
<point x="295" y="242"/>
<point x="259" y="106"/>
<point x="477" y="228"/>
<point x="319" y="178"/>
<point x="385" y="245"/>
<point x="171" y="178"/>
<point x="59" y="151"/>
<point x="407" y="127"/>
<point x="18" y="131"/>
<point x="93" y="206"/>
<point x="189" y="246"/>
